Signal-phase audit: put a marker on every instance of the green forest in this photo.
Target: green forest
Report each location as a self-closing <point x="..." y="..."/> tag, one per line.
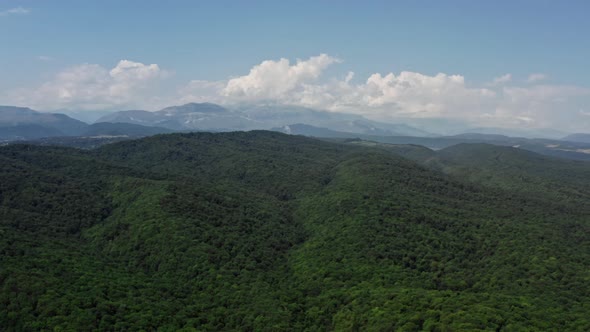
<point x="262" y="231"/>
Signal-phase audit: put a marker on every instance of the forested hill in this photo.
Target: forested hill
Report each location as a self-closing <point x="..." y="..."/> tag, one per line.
<point x="505" y="168"/>
<point x="261" y="231"/>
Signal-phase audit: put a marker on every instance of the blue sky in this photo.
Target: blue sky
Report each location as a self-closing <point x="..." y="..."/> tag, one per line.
<point x="215" y="41"/>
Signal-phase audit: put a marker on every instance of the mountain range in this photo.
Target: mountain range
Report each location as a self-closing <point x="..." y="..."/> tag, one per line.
<point x="20" y="123"/>
<point x="211" y="117"/>
<point x="25" y="124"/>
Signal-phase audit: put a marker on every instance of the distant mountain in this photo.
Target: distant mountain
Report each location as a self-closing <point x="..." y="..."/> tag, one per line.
<point x="139" y="117"/>
<point x="54" y="123"/>
<point x="582" y="138"/>
<point x="20" y="123"/>
<point x="438" y="126"/>
<point x="192" y="116"/>
<point x="517" y="132"/>
<point x="123" y="129"/>
<point x="451" y="127"/>
<point x="212" y="117"/>
<point x="95" y="135"/>
<point x="88" y="116"/>
<point x="26" y="132"/>
<point x="487" y="137"/>
<point x="555" y="148"/>
<point x="278" y="116"/>
<point x="205" y="108"/>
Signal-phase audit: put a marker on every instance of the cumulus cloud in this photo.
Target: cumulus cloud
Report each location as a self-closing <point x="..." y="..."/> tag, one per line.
<point x="276" y="79"/>
<point x="536" y="77"/>
<point x="91" y="86"/>
<point x="396" y="95"/>
<point x="15" y="11"/>
<point x="419" y="94"/>
<point x="406" y="93"/>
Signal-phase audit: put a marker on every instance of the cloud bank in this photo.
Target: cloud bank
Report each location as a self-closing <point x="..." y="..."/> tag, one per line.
<point x="382" y="96"/>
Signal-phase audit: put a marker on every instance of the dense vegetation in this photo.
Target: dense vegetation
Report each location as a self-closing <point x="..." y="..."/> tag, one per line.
<point x="264" y="231"/>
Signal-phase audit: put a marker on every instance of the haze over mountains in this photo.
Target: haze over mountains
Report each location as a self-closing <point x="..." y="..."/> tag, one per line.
<point x="206" y="116"/>
<point x="18" y="123"/>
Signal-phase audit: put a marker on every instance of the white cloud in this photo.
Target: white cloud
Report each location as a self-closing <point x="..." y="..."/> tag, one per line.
<point x="389" y="96"/>
<point x="382" y="96"/>
<point x="276" y="79"/>
<point x="545" y="93"/>
<point x="501" y="80"/>
<point x="15" y="11"/>
<point x="91" y="86"/>
<point x="408" y="93"/>
<point x="536" y="77"/>
<point x="421" y="95"/>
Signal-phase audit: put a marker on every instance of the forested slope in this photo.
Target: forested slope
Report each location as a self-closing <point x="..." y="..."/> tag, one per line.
<point x="264" y="231"/>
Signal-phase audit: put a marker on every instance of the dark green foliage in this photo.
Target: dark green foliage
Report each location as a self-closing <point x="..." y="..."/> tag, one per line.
<point x="264" y="231"/>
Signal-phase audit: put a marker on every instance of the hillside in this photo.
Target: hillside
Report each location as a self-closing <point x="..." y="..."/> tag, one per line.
<point x="501" y="167"/>
<point x="516" y="170"/>
<point x="265" y="231"/>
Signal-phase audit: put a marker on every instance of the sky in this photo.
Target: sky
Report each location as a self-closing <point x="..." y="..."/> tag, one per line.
<point x="491" y="63"/>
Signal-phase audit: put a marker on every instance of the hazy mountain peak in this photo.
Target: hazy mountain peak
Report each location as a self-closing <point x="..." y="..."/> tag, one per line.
<point x="194" y="108"/>
<point x="24" y="118"/>
<point x="7" y="113"/>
